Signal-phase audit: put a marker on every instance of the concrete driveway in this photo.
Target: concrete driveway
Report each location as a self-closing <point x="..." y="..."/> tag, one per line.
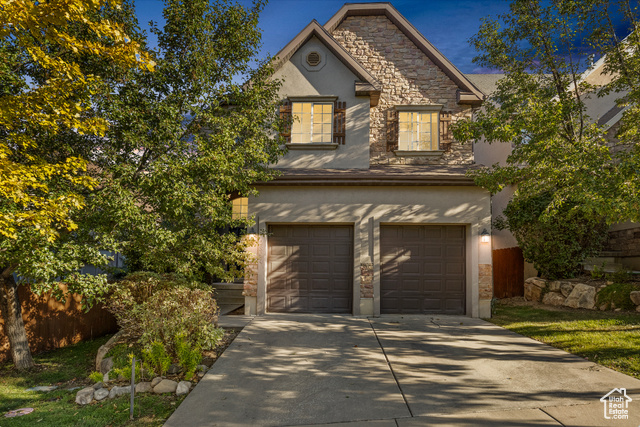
<point x="293" y="370"/>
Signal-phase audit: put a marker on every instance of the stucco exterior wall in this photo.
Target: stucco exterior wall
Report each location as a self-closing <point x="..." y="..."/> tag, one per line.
<point x="366" y="208"/>
<point x="332" y="79"/>
<point x="407" y="76"/>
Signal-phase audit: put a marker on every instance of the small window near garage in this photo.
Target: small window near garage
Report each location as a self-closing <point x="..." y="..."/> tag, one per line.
<point x="240" y="208"/>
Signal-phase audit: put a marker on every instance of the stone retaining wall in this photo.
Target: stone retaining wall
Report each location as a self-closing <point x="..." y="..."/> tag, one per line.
<point x="568" y="294"/>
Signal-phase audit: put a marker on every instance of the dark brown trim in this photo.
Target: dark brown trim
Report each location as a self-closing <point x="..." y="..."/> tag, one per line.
<point x="364" y="180"/>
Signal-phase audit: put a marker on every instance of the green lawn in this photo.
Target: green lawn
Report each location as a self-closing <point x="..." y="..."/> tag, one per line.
<point x="69" y="367"/>
<point x="609" y="339"/>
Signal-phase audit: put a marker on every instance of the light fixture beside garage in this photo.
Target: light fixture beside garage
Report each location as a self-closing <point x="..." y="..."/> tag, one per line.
<point x="484" y="236"/>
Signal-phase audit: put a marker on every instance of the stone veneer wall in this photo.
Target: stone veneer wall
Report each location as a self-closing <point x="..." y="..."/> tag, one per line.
<point x="485" y="281"/>
<point x="407" y="76"/>
<point x="625" y="241"/>
<point x="251" y="269"/>
<point x="366" y="280"/>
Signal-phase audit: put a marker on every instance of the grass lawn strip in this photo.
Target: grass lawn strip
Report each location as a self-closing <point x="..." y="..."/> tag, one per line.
<point x="609" y="339"/>
<point x="70" y="367"/>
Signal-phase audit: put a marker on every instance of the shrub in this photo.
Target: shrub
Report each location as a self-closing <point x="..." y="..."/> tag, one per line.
<point x="617" y="295"/>
<point x="188" y="356"/>
<point x="555" y="239"/>
<point x="156" y="359"/>
<point x="96" y="377"/>
<point x="152" y="308"/>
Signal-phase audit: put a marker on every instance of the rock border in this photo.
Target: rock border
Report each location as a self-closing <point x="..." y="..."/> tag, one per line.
<point x="159" y="385"/>
<point x="568" y="294"/>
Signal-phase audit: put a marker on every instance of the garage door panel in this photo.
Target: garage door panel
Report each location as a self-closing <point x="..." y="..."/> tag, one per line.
<point x="454" y="268"/>
<point x="321" y="250"/>
<point x="432" y="251"/>
<point x="432" y="268"/>
<point x="432" y="286"/>
<point x="422" y="269"/>
<point x="411" y="267"/>
<point x="342" y="250"/>
<point x="433" y="305"/>
<point x="319" y="259"/>
<point x="456" y="233"/>
<point x="454" y="251"/>
<point x="342" y="285"/>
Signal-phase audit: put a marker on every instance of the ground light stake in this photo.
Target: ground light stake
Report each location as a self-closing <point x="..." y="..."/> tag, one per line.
<point x="133" y="385"/>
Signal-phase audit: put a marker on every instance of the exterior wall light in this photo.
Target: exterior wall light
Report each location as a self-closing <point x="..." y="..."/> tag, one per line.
<point x="484" y="236"/>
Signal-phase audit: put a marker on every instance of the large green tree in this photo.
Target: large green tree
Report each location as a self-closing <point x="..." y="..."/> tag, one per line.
<point x="561" y="161"/>
<point x="154" y="184"/>
<point x="185" y="137"/>
<point x="45" y="106"/>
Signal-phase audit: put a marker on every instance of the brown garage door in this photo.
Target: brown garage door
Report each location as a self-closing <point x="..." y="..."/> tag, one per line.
<point x="310" y="269"/>
<point x="423" y="269"/>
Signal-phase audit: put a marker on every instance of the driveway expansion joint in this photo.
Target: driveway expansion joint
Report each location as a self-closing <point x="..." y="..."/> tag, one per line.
<point x="395" y="378"/>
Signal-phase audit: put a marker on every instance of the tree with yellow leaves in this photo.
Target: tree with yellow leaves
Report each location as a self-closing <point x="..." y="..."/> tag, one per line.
<point x="46" y="105"/>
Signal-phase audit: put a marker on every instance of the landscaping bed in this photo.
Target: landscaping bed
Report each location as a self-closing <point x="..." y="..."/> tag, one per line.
<point x="68" y="370"/>
<point x="611" y="339"/>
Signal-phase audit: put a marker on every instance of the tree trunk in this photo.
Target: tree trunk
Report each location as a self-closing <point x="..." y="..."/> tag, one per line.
<point x="13" y="324"/>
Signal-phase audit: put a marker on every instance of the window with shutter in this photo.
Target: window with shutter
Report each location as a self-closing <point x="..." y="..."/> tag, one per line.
<point x="414" y="130"/>
<point x="339" y="122"/>
<point x="285" y="115"/>
<point x="312" y="122"/>
<point x="316" y="122"/>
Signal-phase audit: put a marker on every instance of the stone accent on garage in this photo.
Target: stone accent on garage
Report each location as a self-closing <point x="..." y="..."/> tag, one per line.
<point x="485" y="281"/>
<point x="407" y="76"/>
<point x="251" y="269"/>
<point x="366" y="280"/>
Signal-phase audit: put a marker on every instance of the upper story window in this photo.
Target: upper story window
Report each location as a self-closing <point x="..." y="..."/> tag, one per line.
<point x="312" y="122"/>
<point x="417" y="130"/>
<point x="316" y="122"/>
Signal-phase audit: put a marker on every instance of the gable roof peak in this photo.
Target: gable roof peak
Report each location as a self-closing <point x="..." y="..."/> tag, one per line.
<point x="368" y="84"/>
<point x="468" y="90"/>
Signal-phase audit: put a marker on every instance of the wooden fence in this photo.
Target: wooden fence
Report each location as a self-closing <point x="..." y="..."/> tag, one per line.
<point x="51" y="324"/>
<point x="508" y="273"/>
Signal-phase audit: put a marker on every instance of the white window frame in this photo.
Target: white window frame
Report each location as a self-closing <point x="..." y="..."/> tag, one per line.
<point x="413" y="147"/>
<point x="314" y="100"/>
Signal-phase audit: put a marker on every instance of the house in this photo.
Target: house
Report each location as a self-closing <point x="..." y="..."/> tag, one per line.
<point x="509" y="267"/>
<point x="373" y="212"/>
<point x="622" y="249"/>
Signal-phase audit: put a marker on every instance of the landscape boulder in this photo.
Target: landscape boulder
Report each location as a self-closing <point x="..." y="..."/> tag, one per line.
<point x="635" y="297"/>
<point x="106" y="365"/>
<point x="85" y="396"/>
<point x="582" y="296"/>
<point x="119" y="391"/>
<point x="533" y="287"/>
<point x="155" y="381"/>
<point x="553" y="298"/>
<point x="566" y="288"/>
<point x="143" y="387"/>
<point x="165" y="386"/>
<point x="183" y="388"/>
<point x="100" y="394"/>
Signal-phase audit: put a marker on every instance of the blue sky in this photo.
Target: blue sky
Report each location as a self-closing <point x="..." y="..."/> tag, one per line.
<point x="447" y="24"/>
